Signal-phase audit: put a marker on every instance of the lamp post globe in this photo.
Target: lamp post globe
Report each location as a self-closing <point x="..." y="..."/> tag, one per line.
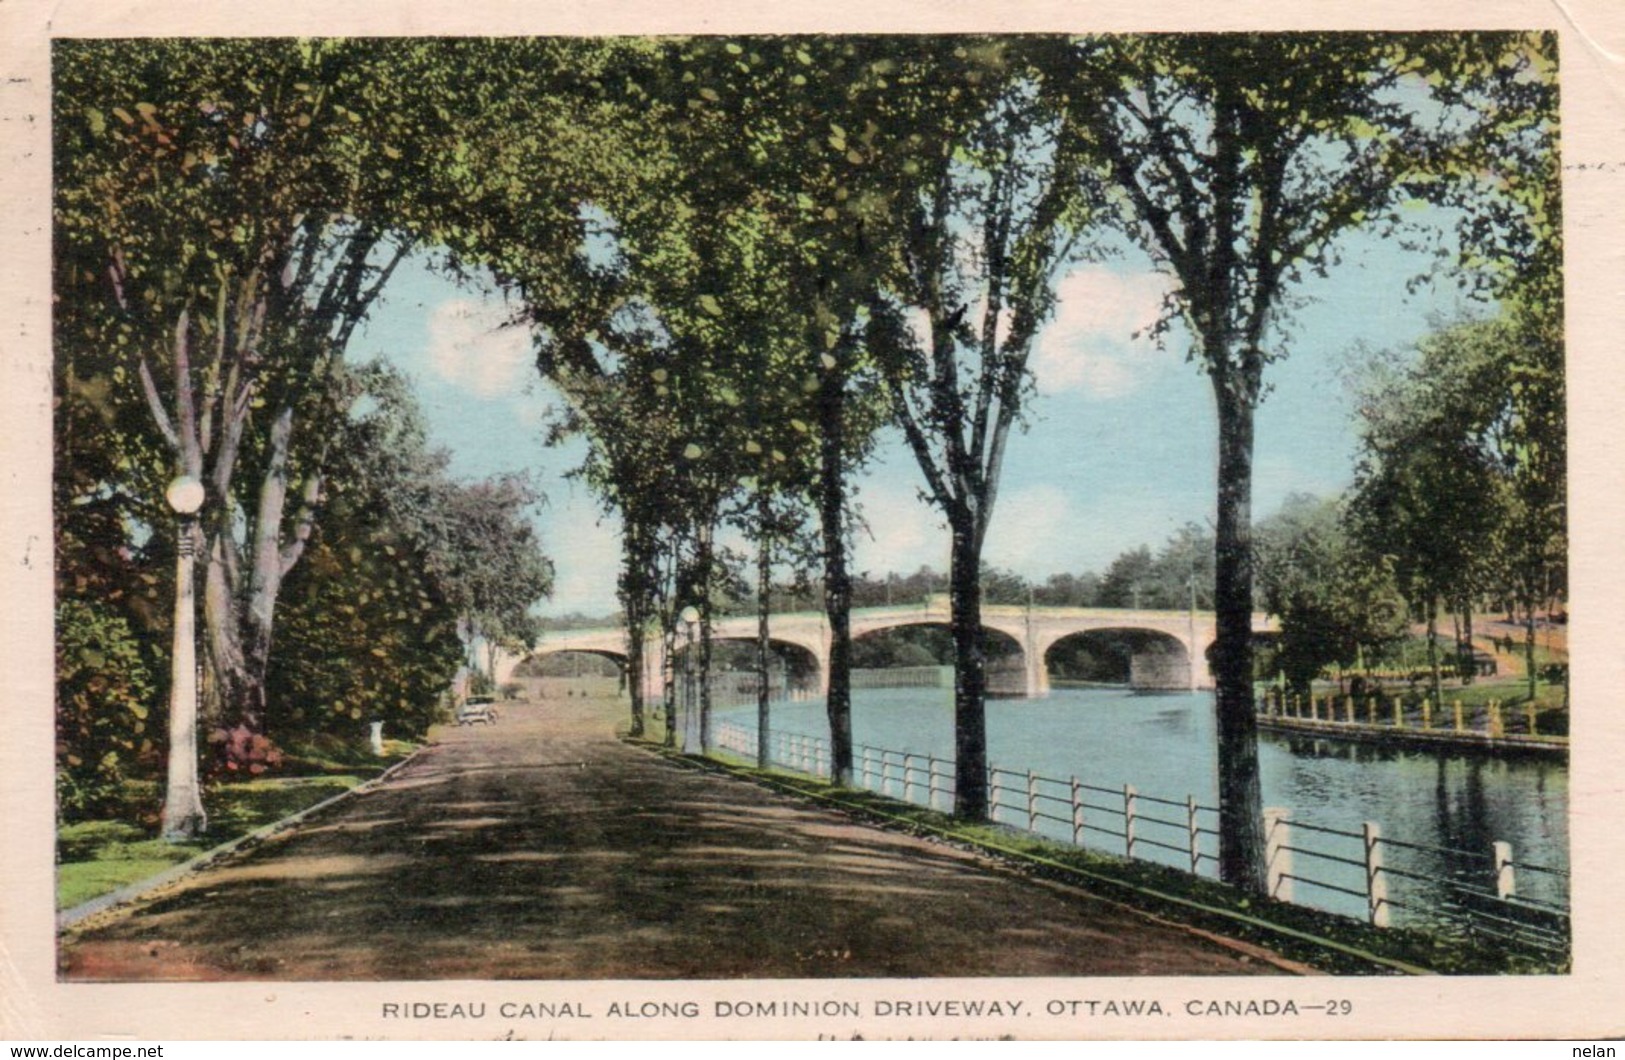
<point x="185" y="495"/>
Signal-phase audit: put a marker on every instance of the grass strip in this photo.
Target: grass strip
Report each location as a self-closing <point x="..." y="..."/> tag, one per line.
<point x="1322" y="940"/>
<point x="122" y="872"/>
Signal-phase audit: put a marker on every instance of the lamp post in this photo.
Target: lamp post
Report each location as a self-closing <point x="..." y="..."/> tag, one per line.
<point x="690" y="616"/>
<point x="183" y="816"/>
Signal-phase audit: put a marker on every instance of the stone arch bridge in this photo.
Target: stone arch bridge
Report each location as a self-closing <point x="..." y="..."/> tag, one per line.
<point x="1170" y="646"/>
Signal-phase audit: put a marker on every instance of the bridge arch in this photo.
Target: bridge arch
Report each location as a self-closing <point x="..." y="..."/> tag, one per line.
<point x="568" y="670"/>
<point x="1135" y="656"/>
<point x="795" y="668"/>
<point x="1006" y="655"/>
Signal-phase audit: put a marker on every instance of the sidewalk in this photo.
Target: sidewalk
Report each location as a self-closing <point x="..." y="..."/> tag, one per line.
<point x="543" y="848"/>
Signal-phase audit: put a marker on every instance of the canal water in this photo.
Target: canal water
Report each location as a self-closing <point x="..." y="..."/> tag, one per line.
<point x="1439" y="813"/>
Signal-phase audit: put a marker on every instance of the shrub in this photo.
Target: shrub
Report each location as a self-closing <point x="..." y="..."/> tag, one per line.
<point x="105" y="696"/>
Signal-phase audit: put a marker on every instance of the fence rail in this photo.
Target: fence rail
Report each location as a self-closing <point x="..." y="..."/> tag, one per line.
<point x="1358" y="873"/>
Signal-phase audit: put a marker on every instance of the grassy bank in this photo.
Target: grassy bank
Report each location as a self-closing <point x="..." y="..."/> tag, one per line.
<point x="98" y="857"/>
<point x="1335" y="944"/>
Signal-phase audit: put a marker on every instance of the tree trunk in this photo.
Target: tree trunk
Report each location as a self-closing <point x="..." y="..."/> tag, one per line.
<point x="265" y="576"/>
<point x="970" y="671"/>
<point x="764" y="591"/>
<point x="668" y="678"/>
<point x="632" y="674"/>
<point x="1529" y="646"/>
<point x="223" y="634"/>
<point x="837" y="579"/>
<point x="1469" y="662"/>
<point x="634" y="606"/>
<point x="1435" y="679"/>
<point x="705" y="576"/>
<point x="1241" y="801"/>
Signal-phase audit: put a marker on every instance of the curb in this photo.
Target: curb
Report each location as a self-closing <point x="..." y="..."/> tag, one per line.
<point x="130" y="893"/>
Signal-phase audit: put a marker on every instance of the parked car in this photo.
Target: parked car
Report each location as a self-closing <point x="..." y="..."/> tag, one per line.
<point x="477" y="710"/>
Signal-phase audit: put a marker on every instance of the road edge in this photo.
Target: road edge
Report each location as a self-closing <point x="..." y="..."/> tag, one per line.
<point x="132" y="893"/>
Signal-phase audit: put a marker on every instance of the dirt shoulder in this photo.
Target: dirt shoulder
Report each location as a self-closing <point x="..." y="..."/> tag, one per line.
<point x="543" y="848"/>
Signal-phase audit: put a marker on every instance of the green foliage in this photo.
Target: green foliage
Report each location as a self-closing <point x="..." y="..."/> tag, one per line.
<point x="1464" y="463"/>
<point x="369" y="620"/>
<point x="109" y="719"/>
<point x="1334" y="604"/>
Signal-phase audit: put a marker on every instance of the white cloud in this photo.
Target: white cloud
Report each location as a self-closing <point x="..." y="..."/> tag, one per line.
<point x="1098" y="341"/>
<point x="1033" y="531"/>
<point x="586" y="554"/>
<point x="473" y="346"/>
<point x="904" y="532"/>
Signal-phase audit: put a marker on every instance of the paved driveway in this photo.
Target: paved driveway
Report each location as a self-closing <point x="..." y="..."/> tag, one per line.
<point x="543" y="848"/>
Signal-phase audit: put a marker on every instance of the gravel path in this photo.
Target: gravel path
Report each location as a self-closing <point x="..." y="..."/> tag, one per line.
<point x="543" y="848"/>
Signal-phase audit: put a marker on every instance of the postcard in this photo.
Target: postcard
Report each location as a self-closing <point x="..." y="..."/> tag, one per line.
<point x="707" y="522"/>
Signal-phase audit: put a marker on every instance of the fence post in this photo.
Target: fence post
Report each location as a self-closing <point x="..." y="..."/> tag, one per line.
<point x="1399" y="712"/>
<point x="1529" y="710"/>
<point x="1459" y="716"/>
<point x="1497" y="726"/>
<point x="1314" y="708"/>
<point x="1371" y="709"/>
<point x="1032" y="801"/>
<point x="1277" y="858"/>
<point x="885" y="772"/>
<point x="908" y="778"/>
<point x="1427" y="713"/>
<point x="1077" y="813"/>
<point x="993" y="793"/>
<point x="1130" y="799"/>
<point x="1348" y="708"/>
<point x="1195" y="834"/>
<point x="1505" y="884"/>
<point x="1376" y="881"/>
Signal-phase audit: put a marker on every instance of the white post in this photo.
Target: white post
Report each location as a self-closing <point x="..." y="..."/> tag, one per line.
<point x="1506" y="884"/>
<point x="1130" y="798"/>
<point x="1277" y="857"/>
<point x="378" y="738"/>
<point x="1032" y="801"/>
<point x="993" y="793"/>
<point x="183" y="816"/>
<point x="1376" y="881"/>
<point x="1077" y="813"/>
<point x="1194" y="832"/>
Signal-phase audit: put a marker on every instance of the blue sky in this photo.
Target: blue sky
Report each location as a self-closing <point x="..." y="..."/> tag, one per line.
<point x="1120" y="451"/>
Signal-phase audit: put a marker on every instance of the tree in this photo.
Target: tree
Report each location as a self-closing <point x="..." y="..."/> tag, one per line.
<point x="1127" y="579"/>
<point x="486" y="554"/>
<point x="1241" y="159"/>
<point x="1463" y="468"/>
<point x="369" y="631"/>
<point x="993" y="205"/>
<point x="1334" y="604"/>
<point x="218" y="241"/>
